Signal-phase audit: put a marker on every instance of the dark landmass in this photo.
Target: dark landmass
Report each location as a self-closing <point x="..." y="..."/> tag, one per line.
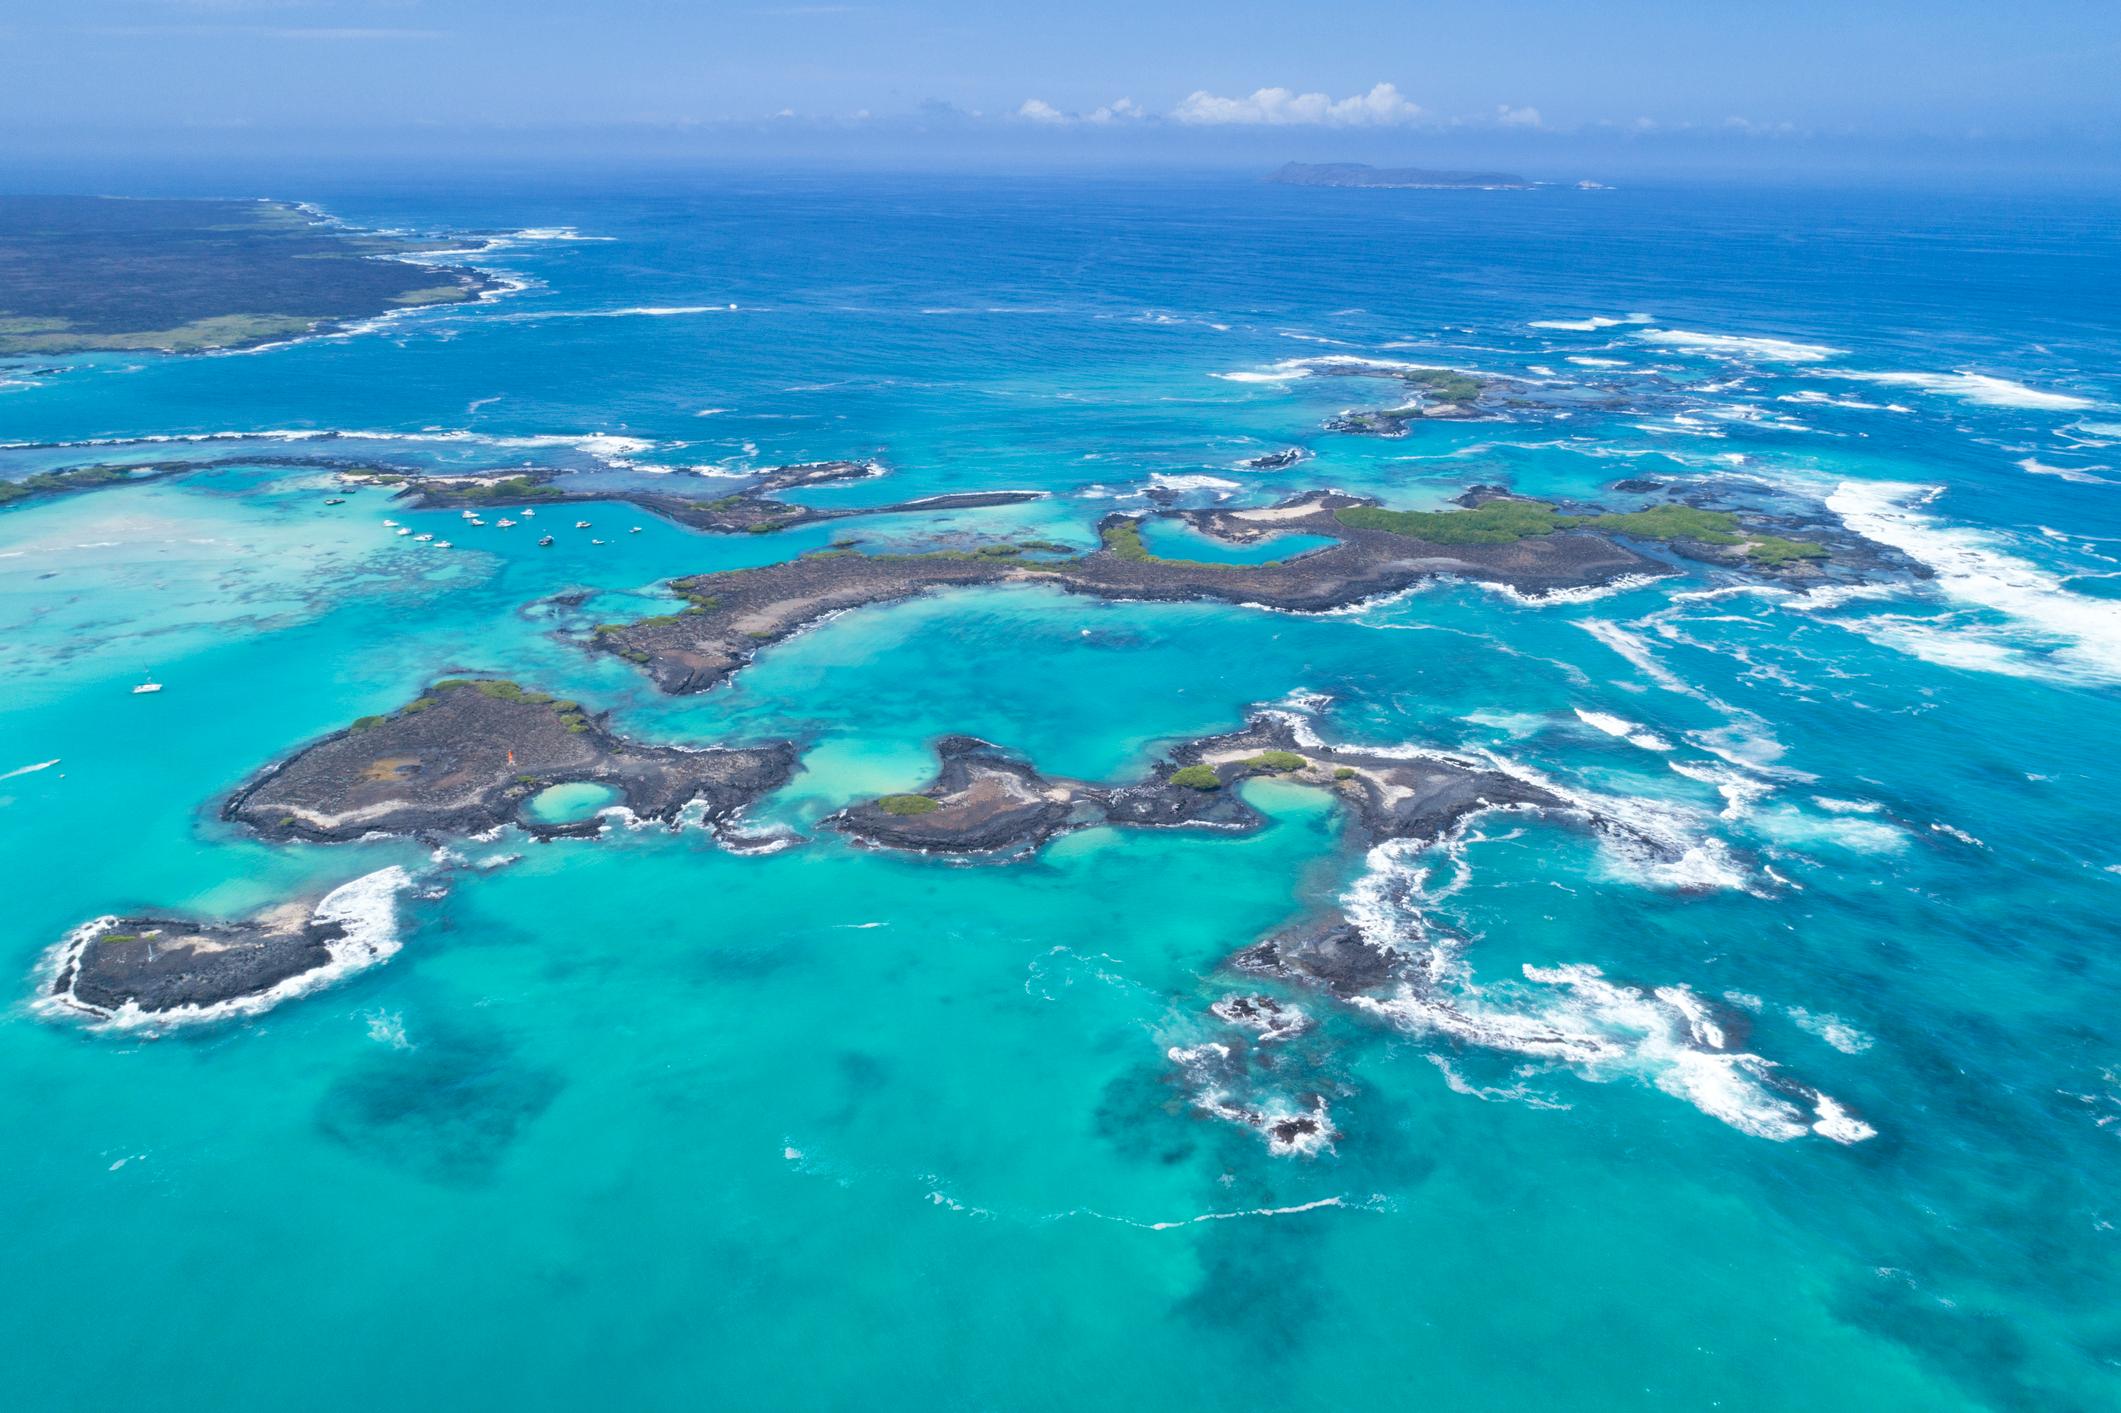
<point x="1738" y="538"/>
<point x="983" y="801"/>
<point x="1275" y="460"/>
<point x="1431" y="393"/>
<point x="1359" y="174"/>
<point x="1798" y="539"/>
<point x="78" y="478"/>
<point x="79" y="273"/>
<point x="466" y="755"/>
<point x="164" y="964"/>
<point x="732" y="614"/>
<point x="106" y="475"/>
<point x="751" y="510"/>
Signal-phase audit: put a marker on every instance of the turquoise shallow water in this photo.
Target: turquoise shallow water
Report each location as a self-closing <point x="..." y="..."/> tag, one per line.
<point x="569" y="804"/>
<point x="1172" y="539"/>
<point x="643" y="1120"/>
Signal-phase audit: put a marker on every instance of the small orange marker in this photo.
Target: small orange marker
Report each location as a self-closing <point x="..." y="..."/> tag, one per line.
<point x="511" y="757"/>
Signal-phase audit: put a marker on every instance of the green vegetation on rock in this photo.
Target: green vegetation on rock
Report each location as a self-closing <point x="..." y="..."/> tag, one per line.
<point x="1496" y="523"/>
<point x="1661" y="522"/>
<point x="1196" y="777"/>
<point x="46" y="483"/>
<point x="1275" y="760"/>
<point x="907" y="804"/>
<point x="1499" y="522"/>
<point x="1124" y="538"/>
<point x="572" y="714"/>
<point x="1445" y="384"/>
<point x="1774" y="551"/>
<point x="514" y="488"/>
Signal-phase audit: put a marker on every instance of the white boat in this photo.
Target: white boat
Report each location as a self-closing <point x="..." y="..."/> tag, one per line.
<point x="423" y="539"/>
<point x="441" y="544"/>
<point x="471" y="515"/>
<point x="390" y="524"/>
<point x="506" y="522"/>
<point x="403" y="531"/>
<point x="477" y="521"/>
<point x="634" y="531"/>
<point x="596" y="542"/>
<point x="528" y="512"/>
<point x="148" y="686"/>
<point x="581" y="524"/>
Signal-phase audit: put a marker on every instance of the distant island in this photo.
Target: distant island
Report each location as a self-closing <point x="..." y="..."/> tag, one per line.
<point x="1398" y="178"/>
<point x="180" y="276"/>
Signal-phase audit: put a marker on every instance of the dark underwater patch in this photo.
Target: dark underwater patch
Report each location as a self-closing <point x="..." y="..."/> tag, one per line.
<point x="446" y="1110"/>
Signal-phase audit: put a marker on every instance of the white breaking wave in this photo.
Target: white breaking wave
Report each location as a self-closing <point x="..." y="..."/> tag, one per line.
<point x="1970" y="387"/>
<point x="1739" y="346"/>
<point x="637" y="311"/>
<point x="1833" y="1030"/>
<point x="1623" y="729"/>
<point x="29" y="769"/>
<point x="1813" y="397"/>
<point x="1573" y="1015"/>
<point x="1653" y="842"/>
<point x="1590" y="325"/>
<point x="2083" y="634"/>
<point x="1191" y="483"/>
<point x="614" y="449"/>
<point x="367" y="910"/>
<point x="2035" y="467"/>
<point x="1292" y="368"/>
<point x="551" y="233"/>
<point x="1587" y="593"/>
<point x="1740" y="788"/>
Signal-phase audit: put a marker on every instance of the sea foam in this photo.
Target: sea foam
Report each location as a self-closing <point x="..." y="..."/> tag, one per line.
<point x="1969" y="387"/>
<point x="2083" y="634"/>
<point x="366" y="909"/>
<point x="1766" y="350"/>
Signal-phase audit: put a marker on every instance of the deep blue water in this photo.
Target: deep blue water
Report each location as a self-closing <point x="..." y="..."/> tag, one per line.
<point x="645" y="1122"/>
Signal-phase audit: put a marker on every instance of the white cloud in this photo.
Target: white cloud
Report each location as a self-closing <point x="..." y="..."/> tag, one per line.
<point x="1382" y="106"/>
<point x="1517" y="117"/>
<point x="1038" y="110"/>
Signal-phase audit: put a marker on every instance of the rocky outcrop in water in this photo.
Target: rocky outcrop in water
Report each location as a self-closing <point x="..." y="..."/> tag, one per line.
<point x="464" y="757"/>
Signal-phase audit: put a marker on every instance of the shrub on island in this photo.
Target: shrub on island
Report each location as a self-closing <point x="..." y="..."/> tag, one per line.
<point x="1196" y="777"/>
<point x="907" y="804"/>
<point x="1275" y="760"/>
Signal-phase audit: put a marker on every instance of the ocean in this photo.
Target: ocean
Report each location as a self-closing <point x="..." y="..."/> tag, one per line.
<point x="657" y="1120"/>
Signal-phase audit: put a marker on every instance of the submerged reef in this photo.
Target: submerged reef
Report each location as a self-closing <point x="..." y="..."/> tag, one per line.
<point x="465" y="755"/>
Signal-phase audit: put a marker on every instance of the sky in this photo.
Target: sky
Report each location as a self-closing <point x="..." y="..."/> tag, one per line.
<point x="1561" y="86"/>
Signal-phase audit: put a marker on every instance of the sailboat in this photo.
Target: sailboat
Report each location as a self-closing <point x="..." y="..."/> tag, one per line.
<point x="147" y="684"/>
